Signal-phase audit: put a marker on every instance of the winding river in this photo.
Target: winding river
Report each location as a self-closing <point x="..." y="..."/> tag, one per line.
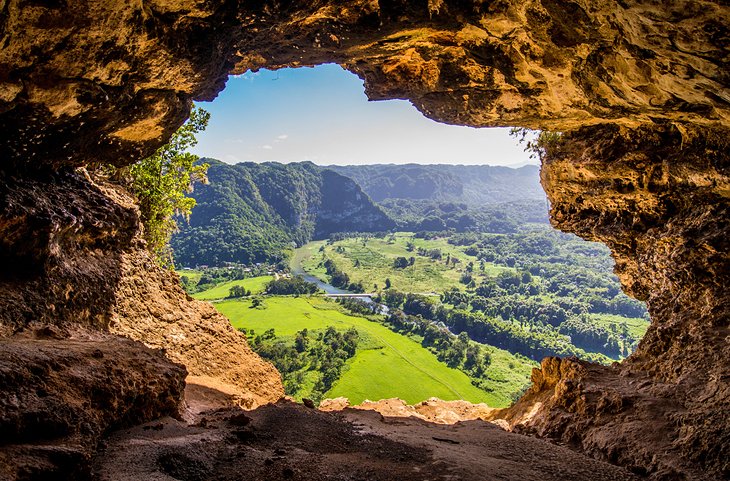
<point x="297" y="269"/>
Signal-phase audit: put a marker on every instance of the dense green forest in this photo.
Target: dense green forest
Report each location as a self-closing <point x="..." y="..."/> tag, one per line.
<point x="322" y="352"/>
<point x="434" y="216"/>
<point x="249" y="213"/>
<point x="536" y="292"/>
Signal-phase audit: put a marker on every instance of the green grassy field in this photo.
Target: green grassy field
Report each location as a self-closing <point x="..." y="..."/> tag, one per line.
<point x="387" y="364"/>
<point x="255" y="284"/>
<point x="192" y="274"/>
<point x="375" y="263"/>
<point x="637" y="326"/>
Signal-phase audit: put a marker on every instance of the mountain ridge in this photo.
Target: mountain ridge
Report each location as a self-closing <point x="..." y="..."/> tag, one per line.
<point x="474" y="185"/>
<point x="253" y="212"/>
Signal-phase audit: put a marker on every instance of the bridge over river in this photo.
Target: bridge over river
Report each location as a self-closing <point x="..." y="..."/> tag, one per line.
<point x="364" y="294"/>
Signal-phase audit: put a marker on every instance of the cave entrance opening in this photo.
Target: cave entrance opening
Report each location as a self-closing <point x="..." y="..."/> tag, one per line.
<point x="441" y="274"/>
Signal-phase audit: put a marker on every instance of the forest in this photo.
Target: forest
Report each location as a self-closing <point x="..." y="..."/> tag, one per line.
<point x="252" y="213"/>
<point x="482" y="289"/>
<point x="537" y="292"/>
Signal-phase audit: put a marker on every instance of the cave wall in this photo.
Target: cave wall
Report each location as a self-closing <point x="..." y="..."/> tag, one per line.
<point x="94" y="335"/>
<point x="658" y="197"/>
<point x="75" y="261"/>
<point x="639" y="88"/>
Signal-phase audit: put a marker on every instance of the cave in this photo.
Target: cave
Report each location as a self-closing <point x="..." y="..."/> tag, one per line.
<point x="96" y="338"/>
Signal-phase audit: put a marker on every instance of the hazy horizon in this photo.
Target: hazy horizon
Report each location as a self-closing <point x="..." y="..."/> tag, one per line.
<point x="435" y="164"/>
<point x="322" y="115"/>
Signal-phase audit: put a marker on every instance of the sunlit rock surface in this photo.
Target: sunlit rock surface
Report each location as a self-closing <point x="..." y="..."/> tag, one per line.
<point x="658" y="197"/>
<point x="109" y="81"/>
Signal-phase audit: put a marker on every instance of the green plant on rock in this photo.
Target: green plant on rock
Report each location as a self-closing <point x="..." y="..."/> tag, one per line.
<point x="538" y="143"/>
<point x="163" y="181"/>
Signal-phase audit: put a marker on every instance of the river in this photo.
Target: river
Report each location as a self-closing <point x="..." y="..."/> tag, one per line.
<point x="297" y="269"/>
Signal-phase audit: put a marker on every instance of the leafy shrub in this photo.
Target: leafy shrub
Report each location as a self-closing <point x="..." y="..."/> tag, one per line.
<point x="291" y="286"/>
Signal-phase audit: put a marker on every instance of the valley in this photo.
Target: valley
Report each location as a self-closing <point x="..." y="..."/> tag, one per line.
<point x="513" y="298"/>
<point x="462" y="308"/>
<point x="537" y="293"/>
<point x="386" y="364"/>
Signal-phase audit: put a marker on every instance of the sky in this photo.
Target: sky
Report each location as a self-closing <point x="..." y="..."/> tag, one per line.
<point x="322" y="115"/>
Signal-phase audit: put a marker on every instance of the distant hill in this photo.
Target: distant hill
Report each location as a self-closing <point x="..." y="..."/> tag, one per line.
<point x="253" y="212"/>
<point x="474" y="185"/>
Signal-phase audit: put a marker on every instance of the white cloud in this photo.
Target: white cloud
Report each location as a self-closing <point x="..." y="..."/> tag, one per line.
<point x="266" y="147"/>
<point x="283" y="137"/>
<point x="248" y="75"/>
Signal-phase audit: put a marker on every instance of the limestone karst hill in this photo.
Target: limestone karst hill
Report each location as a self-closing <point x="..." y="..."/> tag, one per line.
<point x="252" y="212"/>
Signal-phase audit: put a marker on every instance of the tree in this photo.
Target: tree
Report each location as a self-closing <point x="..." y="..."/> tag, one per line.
<point x="340" y="279"/>
<point x="466" y="278"/>
<point x="538" y="144"/>
<point x="162" y="181"/>
<point x="400" y="263"/>
<point x="238" y="291"/>
<point x="301" y="341"/>
<point x="291" y="286"/>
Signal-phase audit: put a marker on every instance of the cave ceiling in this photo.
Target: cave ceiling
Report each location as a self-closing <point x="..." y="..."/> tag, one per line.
<point x="109" y="81"/>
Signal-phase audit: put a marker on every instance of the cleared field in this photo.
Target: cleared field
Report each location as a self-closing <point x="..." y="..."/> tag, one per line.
<point x="255" y="284"/>
<point x="370" y="261"/>
<point x="387" y="364"/>
<point x="637" y="326"/>
<point x="192" y="274"/>
<point x="308" y="259"/>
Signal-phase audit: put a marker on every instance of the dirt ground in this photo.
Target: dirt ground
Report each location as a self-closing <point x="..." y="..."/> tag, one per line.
<point x="290" y="441"/>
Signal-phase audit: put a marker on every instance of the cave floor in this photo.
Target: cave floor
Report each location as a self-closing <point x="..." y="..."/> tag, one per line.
<point x="290" y="441"/>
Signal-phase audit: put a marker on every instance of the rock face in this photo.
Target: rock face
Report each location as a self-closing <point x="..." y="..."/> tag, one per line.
<point x="152" y="308"/>
<point x="60" y="395"/>
<point x="640" y="88"/>
<point x="433" y="410"/>
<point x="75" y="269"/>
<point x="75" y="258"/>
<point x="118" y="77"/>
<point x="658" y="197"/>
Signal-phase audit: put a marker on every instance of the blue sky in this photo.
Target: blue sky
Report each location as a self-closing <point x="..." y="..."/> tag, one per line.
<point x="322" y="114"/>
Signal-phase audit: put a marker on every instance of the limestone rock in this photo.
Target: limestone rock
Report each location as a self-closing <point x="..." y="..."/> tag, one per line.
<point x="60" y="395"/>
<point x="117" y="78"/>
<point x="658" y="197"/>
